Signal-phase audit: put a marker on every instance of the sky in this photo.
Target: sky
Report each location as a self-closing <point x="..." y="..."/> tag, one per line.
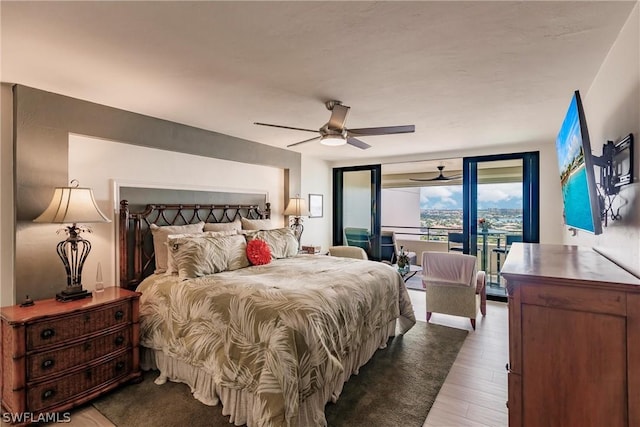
<point x="500" y="196"/>
<point x="569" y="138"/>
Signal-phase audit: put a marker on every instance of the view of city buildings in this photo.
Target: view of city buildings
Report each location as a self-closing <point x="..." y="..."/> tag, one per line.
<point x="500" y="205"/>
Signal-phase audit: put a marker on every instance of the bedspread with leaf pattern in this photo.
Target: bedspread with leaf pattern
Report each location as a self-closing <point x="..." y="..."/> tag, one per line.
<point x="279" y="330"/>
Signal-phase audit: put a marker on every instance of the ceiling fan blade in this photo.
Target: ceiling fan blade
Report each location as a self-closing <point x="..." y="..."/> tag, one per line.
<point x="357" y="143"/>
<point x="438" y="178"/>
<point x="385" y="130"/>
<point x="284" y="127"/>
<point x="338" y="117"/>
<point x="302" y="142"/>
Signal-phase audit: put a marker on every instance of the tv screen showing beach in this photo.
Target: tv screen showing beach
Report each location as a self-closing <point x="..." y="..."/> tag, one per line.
<point x="574" y="173"/>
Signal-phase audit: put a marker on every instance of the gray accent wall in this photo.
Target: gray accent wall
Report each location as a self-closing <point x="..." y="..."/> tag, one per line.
<point x="42" y="124"/>
<point x="7" y="232"/>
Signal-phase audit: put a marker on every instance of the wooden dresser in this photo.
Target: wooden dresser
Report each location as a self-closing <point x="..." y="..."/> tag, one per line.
<point x="574" y="338"/>
<point x="57" y="355"/>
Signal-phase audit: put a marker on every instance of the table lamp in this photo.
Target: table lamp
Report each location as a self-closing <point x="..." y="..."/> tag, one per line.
<point x="73" y="205"/>
<point x="297" y="208"/>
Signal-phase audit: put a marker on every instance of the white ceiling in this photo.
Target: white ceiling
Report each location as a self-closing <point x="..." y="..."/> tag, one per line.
<point x="465" y="73"/>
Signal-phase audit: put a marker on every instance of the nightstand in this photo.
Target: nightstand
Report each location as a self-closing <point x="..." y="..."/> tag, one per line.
<point x="58" y="355"/>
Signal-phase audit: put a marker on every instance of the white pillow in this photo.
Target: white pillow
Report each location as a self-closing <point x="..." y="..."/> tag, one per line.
<point x="200" y="256"/>
<point x="171" y="265"/>
<point x="256" y="224"/>
<point x="281" y="241"/>
<point x="160" y="234"/>
<point x="223" y="226"/>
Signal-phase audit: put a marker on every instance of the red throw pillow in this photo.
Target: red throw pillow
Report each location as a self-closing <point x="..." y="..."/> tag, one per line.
<point x="258" y="252"/>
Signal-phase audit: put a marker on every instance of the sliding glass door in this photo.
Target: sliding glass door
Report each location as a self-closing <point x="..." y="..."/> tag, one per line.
<point x="356" y="207"/>
<point x="500" y="207"/>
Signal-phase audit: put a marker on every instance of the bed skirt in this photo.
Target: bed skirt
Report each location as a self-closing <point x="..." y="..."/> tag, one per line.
<point x="239" y="404"/>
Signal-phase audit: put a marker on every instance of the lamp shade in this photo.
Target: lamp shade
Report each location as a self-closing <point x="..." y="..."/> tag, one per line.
<point x="297" y="207"/>
<point x="72" y="205"/>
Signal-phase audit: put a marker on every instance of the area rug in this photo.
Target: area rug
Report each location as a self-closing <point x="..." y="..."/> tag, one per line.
<point x="395" y="388"/>
<point x="415" y="283"/>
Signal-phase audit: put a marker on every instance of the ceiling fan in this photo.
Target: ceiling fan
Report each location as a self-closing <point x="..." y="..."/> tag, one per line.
<point x="335" y="133"/>
<point x="440" y="177"/>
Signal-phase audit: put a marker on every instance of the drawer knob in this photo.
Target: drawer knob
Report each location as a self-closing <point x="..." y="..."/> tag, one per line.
<point x="506" y="367"/>
<point x="86" y="346"/>
<point x="119" y="366"/>
<point x="47" y="364"/>
<point x="48" y="394"/>
<point x="47" y="333"/>
<point x="119" y="340"/>
<point x="119" y="315"/>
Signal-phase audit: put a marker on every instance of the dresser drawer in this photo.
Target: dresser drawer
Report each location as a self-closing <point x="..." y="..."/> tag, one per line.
<point x="50" y="362"/>
<point x="52" y="331"/>
<point x="52" y="393"/>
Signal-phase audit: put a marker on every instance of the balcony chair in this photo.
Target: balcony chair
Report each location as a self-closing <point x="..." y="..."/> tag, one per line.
<point x="504" y="250"/>
<point x="387" y="247"/>
<point x="455" y="242"/>
<point x="453" y="285"/>
<point x="348" y="252"/>
<point x="359" y="237"/>
<point x="412" y="255"/>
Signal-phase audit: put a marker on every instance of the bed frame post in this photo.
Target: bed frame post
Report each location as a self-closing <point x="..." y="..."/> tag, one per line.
<point x="124" y="228"/>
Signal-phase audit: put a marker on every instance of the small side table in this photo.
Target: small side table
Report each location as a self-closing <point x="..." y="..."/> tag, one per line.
<point x="413" y="270"/>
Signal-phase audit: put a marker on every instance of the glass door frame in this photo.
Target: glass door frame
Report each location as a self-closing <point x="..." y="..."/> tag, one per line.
<point x="376" y="209"/>
<point x="530" y="196"/>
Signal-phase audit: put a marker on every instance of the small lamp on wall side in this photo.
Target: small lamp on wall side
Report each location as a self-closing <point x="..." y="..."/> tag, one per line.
<point x="297" y="208"/>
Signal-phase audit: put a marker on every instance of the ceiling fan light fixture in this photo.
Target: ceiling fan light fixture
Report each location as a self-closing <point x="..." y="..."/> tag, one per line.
<point x="334" y="133"/>
<point x="333" y="140"/>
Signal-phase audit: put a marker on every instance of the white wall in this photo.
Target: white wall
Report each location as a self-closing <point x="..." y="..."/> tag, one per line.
<point x="7" y="289"/>
<point x="408" y="216"/>
<point x="316" y="179"/>
<point x="612" y="110"/>
<point x="98" y="163"/>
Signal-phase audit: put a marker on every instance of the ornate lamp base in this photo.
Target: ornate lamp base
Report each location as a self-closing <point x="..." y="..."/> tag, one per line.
<point x="73" y="252"/>
<point x="72" y="293"/>
<point x="297" y="228"/>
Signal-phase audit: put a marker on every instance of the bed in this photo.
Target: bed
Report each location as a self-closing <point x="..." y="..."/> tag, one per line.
<point x="271" y="343"/>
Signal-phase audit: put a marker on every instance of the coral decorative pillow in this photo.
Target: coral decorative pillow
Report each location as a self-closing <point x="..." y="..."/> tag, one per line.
<point x="258" y="252"/>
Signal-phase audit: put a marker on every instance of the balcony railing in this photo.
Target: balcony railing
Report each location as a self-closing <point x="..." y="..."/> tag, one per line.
<point x="426" y="233"/>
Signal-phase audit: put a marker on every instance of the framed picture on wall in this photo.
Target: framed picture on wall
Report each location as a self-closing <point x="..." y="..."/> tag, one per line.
<point x="315" y="205"/>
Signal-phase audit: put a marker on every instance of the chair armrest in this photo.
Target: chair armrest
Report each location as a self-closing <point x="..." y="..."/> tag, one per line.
<point x="481" y="281"/>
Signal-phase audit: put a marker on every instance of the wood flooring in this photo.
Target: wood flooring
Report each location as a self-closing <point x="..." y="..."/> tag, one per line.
<point x="475" y="391"/>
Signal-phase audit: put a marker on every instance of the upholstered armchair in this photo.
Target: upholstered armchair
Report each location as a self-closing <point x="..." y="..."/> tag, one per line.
<point x="348" y="252"/>
<point x="453" y="286"/>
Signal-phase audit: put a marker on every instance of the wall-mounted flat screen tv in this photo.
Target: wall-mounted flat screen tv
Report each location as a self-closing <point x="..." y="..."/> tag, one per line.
<point x="579" y="192"/>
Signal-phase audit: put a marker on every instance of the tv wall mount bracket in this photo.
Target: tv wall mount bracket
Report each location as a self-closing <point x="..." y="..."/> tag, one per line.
<point x="616" y="170"/>
<point x="616" y="165"/>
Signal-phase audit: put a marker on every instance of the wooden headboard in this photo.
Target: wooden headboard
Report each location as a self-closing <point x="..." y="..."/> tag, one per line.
<point x="137" y="257"/>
